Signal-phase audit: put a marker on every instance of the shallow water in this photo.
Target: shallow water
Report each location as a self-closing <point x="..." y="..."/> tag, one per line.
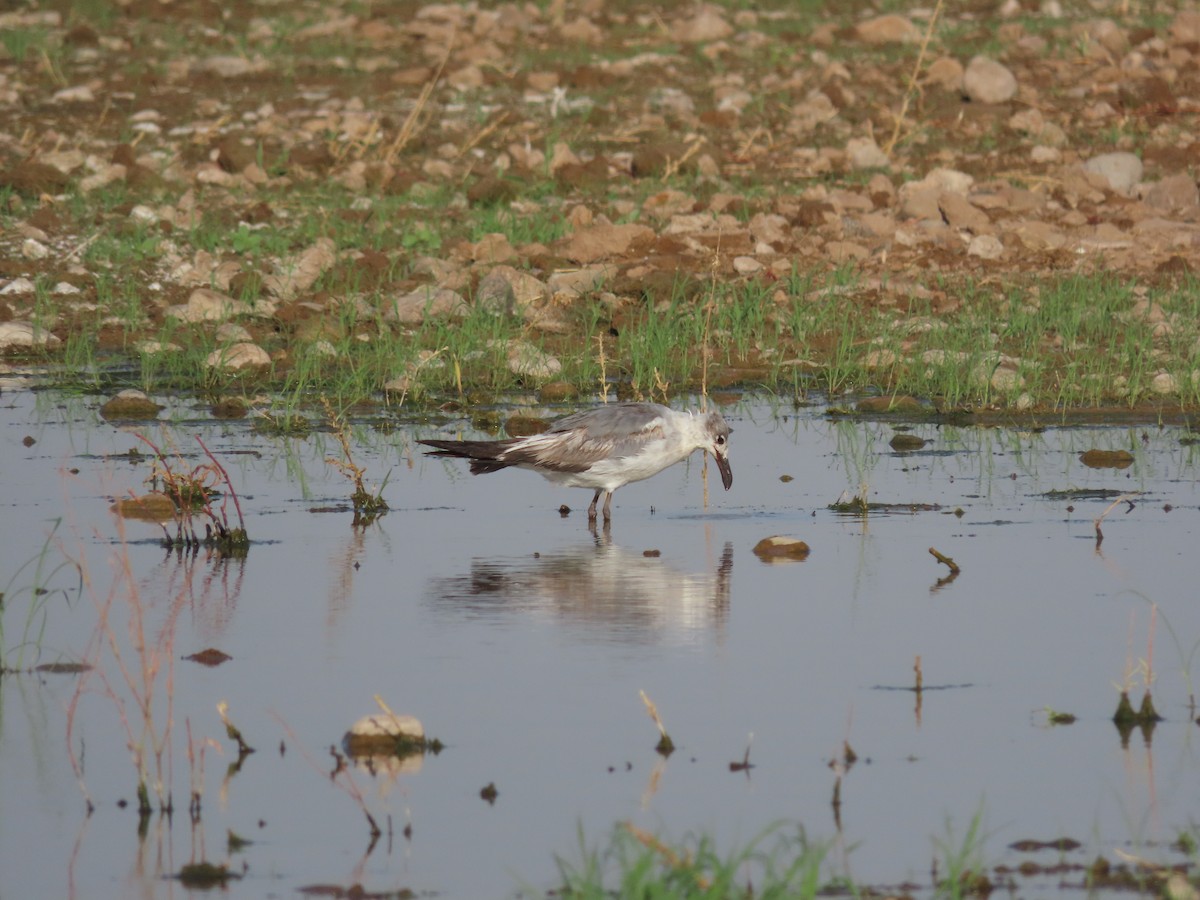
<point x="522" y="639"/>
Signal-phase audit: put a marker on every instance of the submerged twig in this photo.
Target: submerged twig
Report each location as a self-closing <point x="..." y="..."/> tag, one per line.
<point x="945" y="560"/>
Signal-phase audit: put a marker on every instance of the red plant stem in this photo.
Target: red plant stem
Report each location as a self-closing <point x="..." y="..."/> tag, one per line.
<point x="228" y="483"/>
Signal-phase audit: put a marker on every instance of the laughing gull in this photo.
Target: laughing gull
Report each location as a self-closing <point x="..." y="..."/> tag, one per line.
<point x="603" y="448"/>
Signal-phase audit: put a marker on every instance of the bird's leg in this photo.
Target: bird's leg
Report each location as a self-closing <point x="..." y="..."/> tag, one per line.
<point x="607" y="505"/>
<point x="592" y="508"/>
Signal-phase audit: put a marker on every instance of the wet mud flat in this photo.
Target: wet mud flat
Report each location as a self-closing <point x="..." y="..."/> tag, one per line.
<point x="919" y="722"/>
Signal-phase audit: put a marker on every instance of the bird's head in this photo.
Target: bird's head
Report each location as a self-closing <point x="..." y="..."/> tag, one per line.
<point x="717" y="432"/>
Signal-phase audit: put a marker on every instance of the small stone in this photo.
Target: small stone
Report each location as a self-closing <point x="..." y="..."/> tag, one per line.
<point x="152" y="507"/>
<point x="19" y="286"/>
<point x="557" y="391"/>
<point x="905" y="442"/>
<point x="864" y="153"/>
<point x="24" y="334"/>
<point x="415" y="307"/>
<point x="706" y="25"/>
<point x="1175" y="193"/>
<point x="945" y="72"/>
<point x="232" y="333"/>
<point x="385" y="734"/>
<point x="887" y="29"/>
<point x="1164" y="383"/>
<point x="1123" y="170"/>
<point x="780" y="547"/>
<point x="527" y="361"/>
<point x="31" y="249"/>
<point x="985" y="246"/>
<point x="1106" y="459"/>
<point x="747" y="265"/>
<point x="130" y="405"/>
<point x="239" y="356"/>
<point x="987" y="81"/>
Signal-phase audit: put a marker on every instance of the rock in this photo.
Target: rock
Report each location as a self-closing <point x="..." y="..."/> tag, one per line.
<point x="384" y="733"/>
<point x="492" y="248"/>
<point x="887" y="29"/>
<point x="240" y="356"/>
<point x="495" y="294"/>
<point x="985" y="246"/>
<point x="706" y="25"/>
<point x="588" y="245"/>
<point x="864" y="153"/>
<point x="152" y="507"/>
<point x="1122" y="170"/>
<point x="19" y="286"/>
<point x="415" y="307"/>
<point x="208" y="305"/>
<point x="576" y="282"/>
<point x="1174" y="194"/>
<point x="779" y="547"/>
<point x="905" y="442"/>
<point x="34" y="250"/>
<point x="945" y="72"/>
<point x="1106" y="459"/>
<point x="557" y="391"/>
<point x="232" y="333"/>
<point x="25" y="334"/>
<point x="299" y="273"/>
<point x="130" y="405"/>
<point x="527" y="361"/>
<point x="1164" y="383"/>
<point x="958" y="212"/>
<point x="746" y="265"/>
<point x="987" y="81"/>
<point x="151" y="347"/>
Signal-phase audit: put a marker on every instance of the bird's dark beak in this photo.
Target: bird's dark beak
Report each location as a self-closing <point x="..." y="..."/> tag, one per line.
<point x="726" y="472"/>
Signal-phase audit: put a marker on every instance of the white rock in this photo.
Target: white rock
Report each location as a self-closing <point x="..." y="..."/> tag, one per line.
<point x="746" y="265"/>
<point x="987" y="81"/>
<point x="64" y="289"/>
<point x="78" y="94"/>
<point x="207" y="305"/>
<point x="232" y="333"/>
<point x="154" y="347"/>
<point x="1123" y="170"/>
<point x="985" y="246"/>
<point x="864" y="153"/>
<point x="238" y="356"/>
<point x="19" y="286"/>
<point x="31" y="249"/>
<point x="413" y="308"/>
<point x="528" y="361"/>
<point x="25" y="334"/>
<point x="1164" y="383"/>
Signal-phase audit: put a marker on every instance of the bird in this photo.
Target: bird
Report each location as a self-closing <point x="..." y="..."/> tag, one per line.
<point x="603" y="448"/>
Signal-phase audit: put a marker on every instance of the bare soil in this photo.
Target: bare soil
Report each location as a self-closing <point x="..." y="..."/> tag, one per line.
<point x="658" y="147"/>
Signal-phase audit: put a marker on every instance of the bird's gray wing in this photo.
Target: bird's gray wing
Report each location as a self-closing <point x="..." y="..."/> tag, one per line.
<point x="576" y="442"/>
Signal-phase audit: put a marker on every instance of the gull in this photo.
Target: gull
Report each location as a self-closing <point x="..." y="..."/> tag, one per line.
<point x="603" y="448"/>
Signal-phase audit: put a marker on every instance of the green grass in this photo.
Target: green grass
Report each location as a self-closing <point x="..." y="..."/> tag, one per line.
<point x="776" y="863"/>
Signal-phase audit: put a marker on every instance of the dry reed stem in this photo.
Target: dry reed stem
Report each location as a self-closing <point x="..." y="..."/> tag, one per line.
<point x="409" y="129"/>
<point x="653" y="711"/>
<point x="912" y="81"/>
<point x="669" y="856"/>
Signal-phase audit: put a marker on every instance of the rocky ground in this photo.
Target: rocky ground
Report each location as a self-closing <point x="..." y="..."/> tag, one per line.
<point x="147" y="146"/>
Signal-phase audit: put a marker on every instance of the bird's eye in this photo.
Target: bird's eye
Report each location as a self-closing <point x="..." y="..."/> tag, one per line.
<point x="721" y="440"/>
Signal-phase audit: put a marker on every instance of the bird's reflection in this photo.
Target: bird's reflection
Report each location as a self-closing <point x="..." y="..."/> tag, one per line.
<point x="599" y="588"/>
